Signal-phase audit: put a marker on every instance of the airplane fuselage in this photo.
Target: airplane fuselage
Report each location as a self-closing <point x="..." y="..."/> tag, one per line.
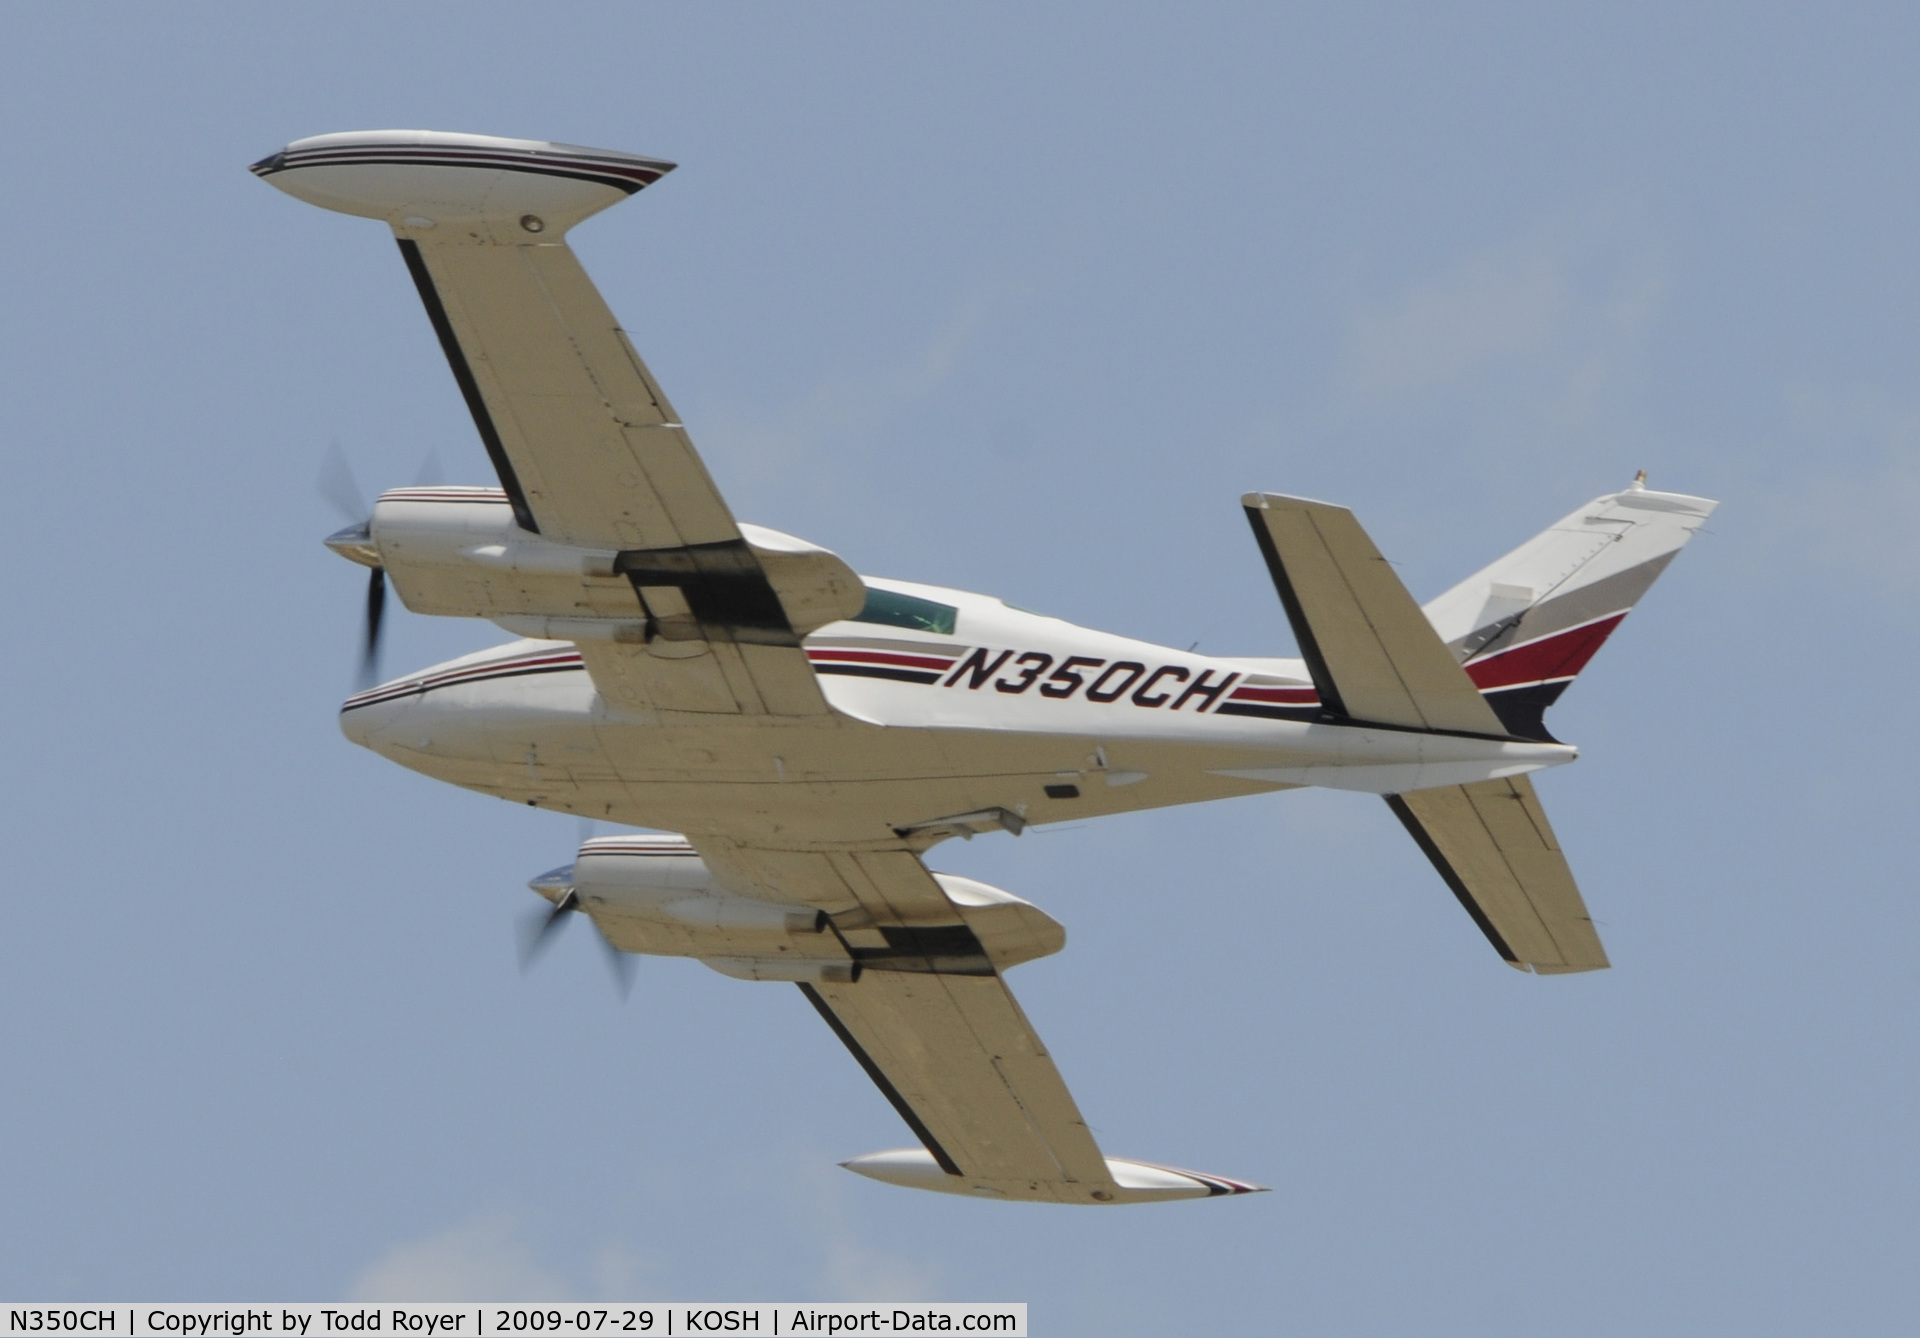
<point x="963" y="706"/>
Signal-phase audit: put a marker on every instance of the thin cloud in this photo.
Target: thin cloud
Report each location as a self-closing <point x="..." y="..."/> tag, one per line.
<point x="1545" y="333"/>
<point x="1490" y="308"/>
<point x="1854" y="505"/>
<point x="851" y="1269"/>
<point x="857" y="1272"/>
<point x="490" y="1258"/>
<point x="480" y="1260"/>
<point x="850" y="408"/>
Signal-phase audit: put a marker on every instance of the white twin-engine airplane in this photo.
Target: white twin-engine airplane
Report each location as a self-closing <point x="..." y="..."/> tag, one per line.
<point x="814" y="733"/>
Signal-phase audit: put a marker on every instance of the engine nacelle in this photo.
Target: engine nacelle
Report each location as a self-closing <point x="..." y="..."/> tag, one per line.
<point x="654" y="894"/>
<point x="458" y="552"/>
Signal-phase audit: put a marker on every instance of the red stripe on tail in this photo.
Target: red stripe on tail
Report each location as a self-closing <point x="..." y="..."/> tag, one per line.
<point x="1559" y="656"/>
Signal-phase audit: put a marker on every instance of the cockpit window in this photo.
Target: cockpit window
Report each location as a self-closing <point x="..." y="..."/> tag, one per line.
<point x="895" y="610"/>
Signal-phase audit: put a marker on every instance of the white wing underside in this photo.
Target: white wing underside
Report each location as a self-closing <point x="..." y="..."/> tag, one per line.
<point x="1493" y="845"/>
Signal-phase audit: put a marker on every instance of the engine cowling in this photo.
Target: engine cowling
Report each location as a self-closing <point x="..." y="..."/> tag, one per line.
<point x="655" y="895"/>
<point x="458" y="552"/>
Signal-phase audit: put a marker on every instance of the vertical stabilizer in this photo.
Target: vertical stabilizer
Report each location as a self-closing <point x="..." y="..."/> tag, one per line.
<point x="1526" y="625"/>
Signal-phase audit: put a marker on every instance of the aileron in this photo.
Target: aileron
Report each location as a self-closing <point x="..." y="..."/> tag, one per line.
<point x="583" y="429"/>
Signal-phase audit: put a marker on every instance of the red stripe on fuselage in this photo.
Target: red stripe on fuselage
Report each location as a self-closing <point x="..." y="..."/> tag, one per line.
<point x="1288" y="696"/>
<point x="881" y="657"/>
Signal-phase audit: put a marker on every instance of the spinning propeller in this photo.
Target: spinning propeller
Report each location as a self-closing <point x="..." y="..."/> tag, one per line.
<point x="338" y="486"/>
<point x="341" y="490"/>
<point x="538" y="928"/>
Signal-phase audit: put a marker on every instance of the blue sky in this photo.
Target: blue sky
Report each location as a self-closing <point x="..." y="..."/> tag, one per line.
<point x="1018" y="299"/>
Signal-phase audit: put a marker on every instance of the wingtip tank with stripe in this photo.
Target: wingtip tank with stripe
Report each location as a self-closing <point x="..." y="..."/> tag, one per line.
<point x="500" y="190"/>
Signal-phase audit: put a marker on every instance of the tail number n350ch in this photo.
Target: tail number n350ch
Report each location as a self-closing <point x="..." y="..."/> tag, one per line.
<point x="1171" y="685"/>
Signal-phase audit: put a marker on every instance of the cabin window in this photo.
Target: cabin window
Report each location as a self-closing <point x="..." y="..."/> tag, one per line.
<point x="896" y="610"/>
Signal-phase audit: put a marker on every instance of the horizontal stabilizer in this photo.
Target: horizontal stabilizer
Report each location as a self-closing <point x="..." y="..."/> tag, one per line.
<point x="1128" y="1181"/>
<point x="1492" y="843"/>
<point x="1372" y="653"/>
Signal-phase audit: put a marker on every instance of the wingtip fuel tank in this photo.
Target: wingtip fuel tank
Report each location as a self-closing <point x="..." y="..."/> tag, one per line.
<point x="1129" y="1181"/>
<point x="502" y="190"/>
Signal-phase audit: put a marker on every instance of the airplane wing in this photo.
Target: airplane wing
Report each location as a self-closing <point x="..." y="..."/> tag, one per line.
<point x="965" y="1070"/>
<point x="1493" y="845"/>
<point x="1372" y="653"/>
<point x="930" y="1020"/>
<point x="587" y="447"/>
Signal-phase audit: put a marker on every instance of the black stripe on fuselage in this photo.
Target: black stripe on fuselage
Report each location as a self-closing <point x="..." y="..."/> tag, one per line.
<point x="874" y="671"/>
<point x="887" y="1089"/>
<point x="628" y="185"/>
<point x="1268" y="711"/>
<point x="469" y="388"/>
